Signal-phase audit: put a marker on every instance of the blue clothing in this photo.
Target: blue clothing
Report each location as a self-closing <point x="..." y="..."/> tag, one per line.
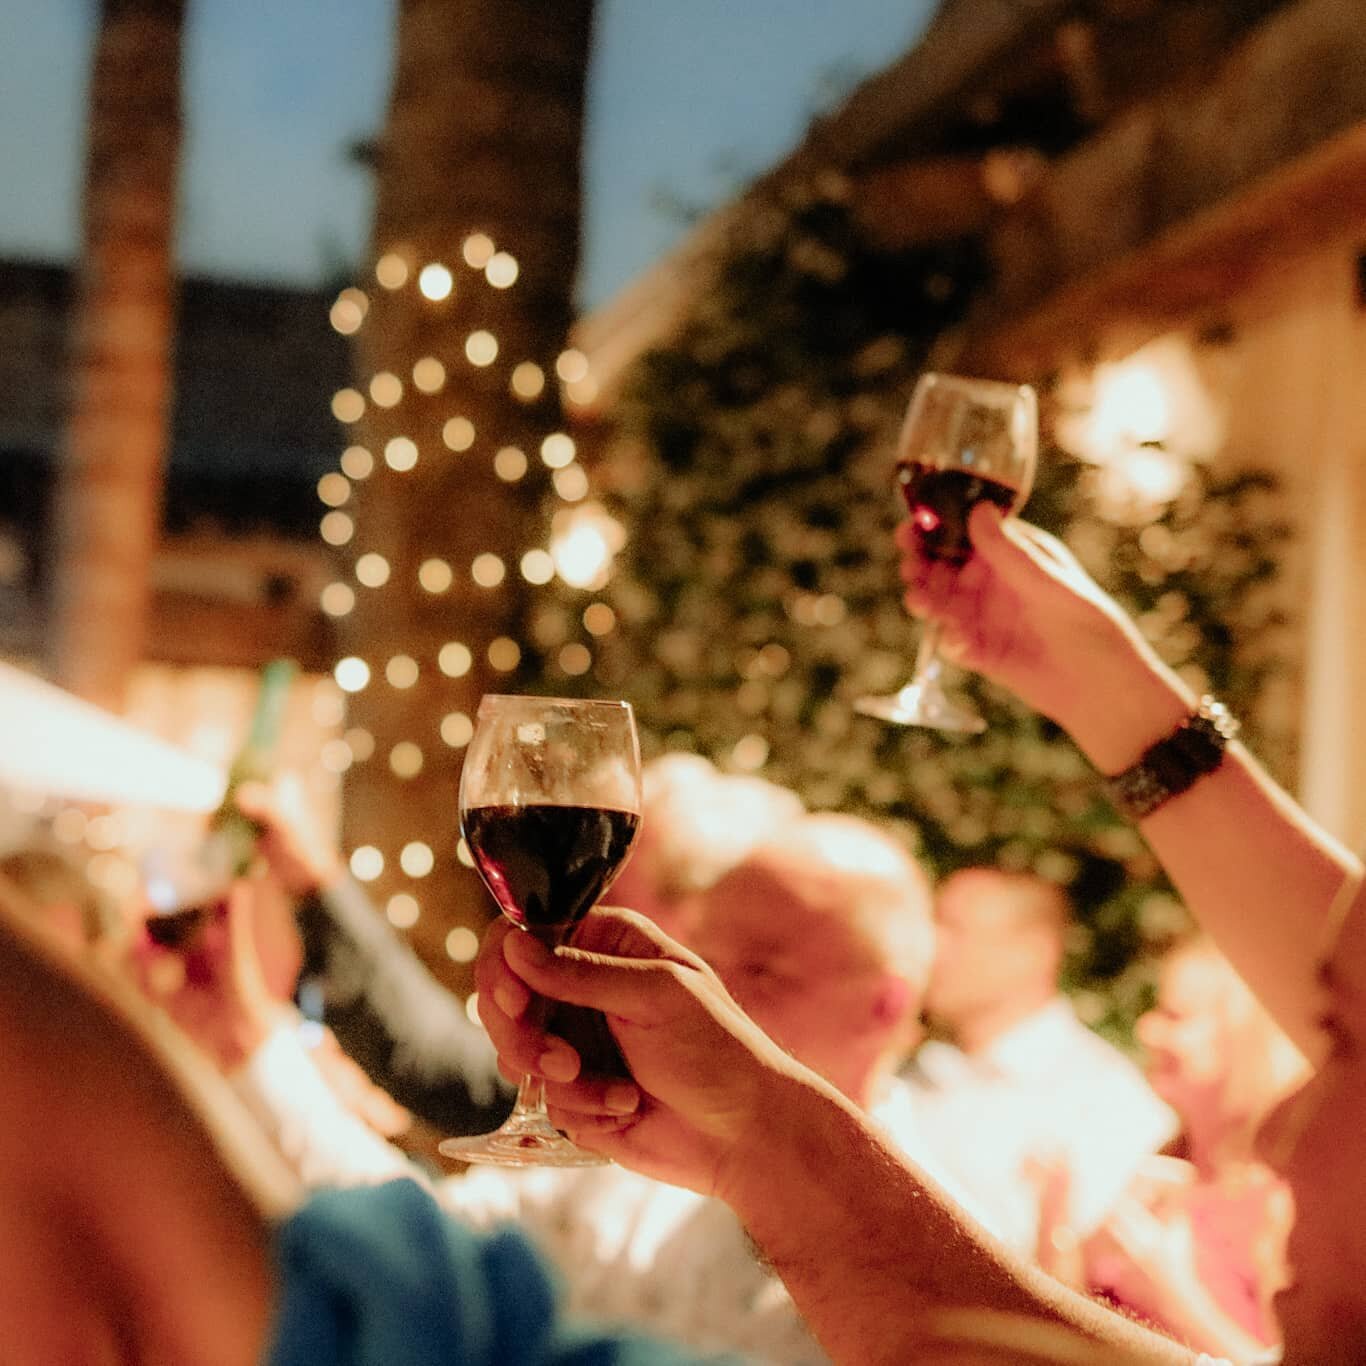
<point x="379" y="1276"/>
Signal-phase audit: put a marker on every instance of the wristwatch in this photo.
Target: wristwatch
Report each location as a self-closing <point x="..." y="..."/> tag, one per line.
<point x="1174" y="763"/>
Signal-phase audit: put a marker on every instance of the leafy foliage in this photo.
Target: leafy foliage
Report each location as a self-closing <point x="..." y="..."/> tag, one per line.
<point x="757" y="595"/>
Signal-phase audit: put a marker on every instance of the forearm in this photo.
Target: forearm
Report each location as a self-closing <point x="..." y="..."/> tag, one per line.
<point x="876" y="1258"/>
<point x="1253" y="868"/>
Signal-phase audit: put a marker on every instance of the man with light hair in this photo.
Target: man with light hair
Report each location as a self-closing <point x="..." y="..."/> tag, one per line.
<point x="696" y="824"/>
<point x="1025" y="1102"/>
<point x="822" y="933"/>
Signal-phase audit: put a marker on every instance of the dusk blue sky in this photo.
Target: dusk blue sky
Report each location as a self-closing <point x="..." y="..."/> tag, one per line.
<point x="687" y="98"/>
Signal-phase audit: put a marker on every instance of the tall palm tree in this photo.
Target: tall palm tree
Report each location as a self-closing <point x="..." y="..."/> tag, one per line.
<point x="484" y="136"/>
<point x="110" y="481"/>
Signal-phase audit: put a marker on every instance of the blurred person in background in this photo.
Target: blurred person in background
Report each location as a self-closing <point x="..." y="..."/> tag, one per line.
<point x="80" y="918"/>
<point x="1021" y="1087"/>
<point x="822" y="932"/>
<point x="696" y="824"/>
<point x="1197" y="1244"/>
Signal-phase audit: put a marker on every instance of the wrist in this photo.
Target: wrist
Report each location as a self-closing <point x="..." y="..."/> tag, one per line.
<point x="1128" y="700"/>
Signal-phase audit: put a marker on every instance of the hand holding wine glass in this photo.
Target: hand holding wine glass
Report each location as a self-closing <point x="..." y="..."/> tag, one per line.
<point x="549" y="807"/>
<point x="964" y="442"/>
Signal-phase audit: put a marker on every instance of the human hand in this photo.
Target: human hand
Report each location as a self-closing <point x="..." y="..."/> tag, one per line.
<point x="1023" y="612"/>
<point x="299" y="855"/>
<point x="214" y="987"/>
<point x="1142" y="1260"/>
<point x="705" y="1078"/>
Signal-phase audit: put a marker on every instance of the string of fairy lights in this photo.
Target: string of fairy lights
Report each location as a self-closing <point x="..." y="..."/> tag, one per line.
<point x="578" y="551"/>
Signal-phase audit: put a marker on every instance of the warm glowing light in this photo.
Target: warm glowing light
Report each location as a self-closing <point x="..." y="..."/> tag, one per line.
<point x="348" y="405"/>
<point x="481" y="348"/>
<point x="462" y="852"/>
<point x="501" y="269"/>
<point x="357" y="462"/>
<point x="334" y="489"/>
<point x="367" y="863"/>
<point x="457" y="730"/>
<point x="351" y="673"/>
<point x="582" y="392"/>
<point x="391" y="270"/>
<point x="372" y="570"/>
<point x="528" y="380"/>
<point x="488" y="571"/>
<point x="360" y="742"/>
<point x="571" y="365"/>
<point x="402" y="911"/>
<point x="401" y="671"/>
<point x="104" y="832"/>
<point x="435" y="575"/>
<point x="462" y="945"/>
<point x="458" y="434"/>
<point x="435" y="282"/>
<point x="599" y="619"/>
<point x="510" y="464"/>
<point x="386" y="389"/>
<point x="557" y="450"/>
<point x="336" y="528"/>
<point x="571" y="483"/>
<point x="538" y="566"/>
<point x="584" y="540"/>
<point x="429" y="374"/>
<point x="477" y="250"/>
<point x="400" y="453"/>
<point x="504" y="654"/>
<point x="337" y="599"/>
<point x="750" y="753"/>
<point x="347" y="313"/>
<point x="454" y="659"/>
<point x="417" y="859"/>
<point x="405" y="760"/>
<point x="335" y="756"/>
<point x="575" y="659"/>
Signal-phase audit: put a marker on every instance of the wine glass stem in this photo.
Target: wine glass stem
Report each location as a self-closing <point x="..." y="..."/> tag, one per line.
<point x="928" y="665"/>
<point x="531" y="1098"/>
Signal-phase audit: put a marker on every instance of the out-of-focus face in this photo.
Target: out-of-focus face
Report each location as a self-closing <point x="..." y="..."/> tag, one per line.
<point x="1184" y="1034"/>
<point x="982" y="956"/>
<point x="1317" y="1140"/>
<point x="807" y="976"/>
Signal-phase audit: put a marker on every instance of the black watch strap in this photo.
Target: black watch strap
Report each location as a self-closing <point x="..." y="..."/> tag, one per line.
<point x="1175" y="762"/>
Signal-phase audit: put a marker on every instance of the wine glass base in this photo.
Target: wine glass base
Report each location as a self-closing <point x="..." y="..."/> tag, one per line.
<point x="918" y="706"/>
<point x="520" y="1145"/>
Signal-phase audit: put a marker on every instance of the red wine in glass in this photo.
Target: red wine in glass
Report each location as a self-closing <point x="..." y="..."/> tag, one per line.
<point x="177" y="929"/>
<point x="940" y="501"/>
<point x="546" y="865"/>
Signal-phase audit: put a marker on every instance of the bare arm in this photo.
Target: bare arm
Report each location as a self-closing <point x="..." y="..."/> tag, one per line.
<point x="1252" y="866"/>
<point x="874" y="1255"/>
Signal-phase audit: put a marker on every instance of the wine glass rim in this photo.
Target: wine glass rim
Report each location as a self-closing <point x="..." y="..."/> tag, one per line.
<point x="970" y="382"/>
<point x="538" y="700"/>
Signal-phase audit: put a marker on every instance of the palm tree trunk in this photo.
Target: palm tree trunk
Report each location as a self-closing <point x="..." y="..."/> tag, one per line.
<point x="484" y="136"/>
<point x="110" y="481"/>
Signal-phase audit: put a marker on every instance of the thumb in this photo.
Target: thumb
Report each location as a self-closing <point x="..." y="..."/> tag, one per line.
<point x="638" y="990"/>
<point x="1025" y="559"/>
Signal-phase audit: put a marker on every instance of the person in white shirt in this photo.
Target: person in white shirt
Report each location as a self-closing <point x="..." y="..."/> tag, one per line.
<point x="823" y="935"/>
<point x="1025" y="1099"/>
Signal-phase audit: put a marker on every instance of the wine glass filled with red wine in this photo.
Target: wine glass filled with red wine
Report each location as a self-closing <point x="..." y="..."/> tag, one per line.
<point x="549" y="807"/>
<point x="964" y="441"/>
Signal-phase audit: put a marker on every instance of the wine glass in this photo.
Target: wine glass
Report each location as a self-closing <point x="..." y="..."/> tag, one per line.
<point x="963" y="441"/>
<point x="549" y="807"/>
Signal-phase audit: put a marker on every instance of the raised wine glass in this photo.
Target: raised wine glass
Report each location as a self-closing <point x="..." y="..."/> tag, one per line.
<point x="963" y="441"/>
<point x="549" y="807"/>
